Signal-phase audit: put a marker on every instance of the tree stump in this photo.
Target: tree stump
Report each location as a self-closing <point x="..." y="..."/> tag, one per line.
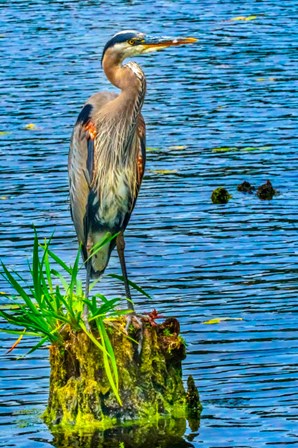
<point x="150" y="383"/>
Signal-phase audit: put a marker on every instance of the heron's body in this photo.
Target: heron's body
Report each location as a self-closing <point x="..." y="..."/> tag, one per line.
<point x="107" y="165"/>
<point x="107" y="152"/>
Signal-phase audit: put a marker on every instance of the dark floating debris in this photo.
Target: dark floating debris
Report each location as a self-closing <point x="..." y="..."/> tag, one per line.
<point x="220" y="196"/>
<point x="246" y="187"/>
<point x="266" y="191"/>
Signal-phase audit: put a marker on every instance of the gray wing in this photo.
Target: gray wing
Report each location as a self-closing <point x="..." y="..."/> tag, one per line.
<point x="140" y="163"/>
<point x="81" y="161"/>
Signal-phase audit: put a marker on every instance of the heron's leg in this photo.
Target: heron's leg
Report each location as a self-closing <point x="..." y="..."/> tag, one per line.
<point x="85" y="309"/>
<point x="120" y="248"/>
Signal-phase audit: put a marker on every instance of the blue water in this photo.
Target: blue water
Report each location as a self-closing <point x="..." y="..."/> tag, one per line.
<point x="235" y="89"/>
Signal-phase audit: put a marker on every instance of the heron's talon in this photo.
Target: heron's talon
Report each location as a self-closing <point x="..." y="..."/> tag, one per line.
<point x="136" y="322"/>
<point x="87" y="325"/>
<point x="128" y="322"/>
<point x="85" y="319"/>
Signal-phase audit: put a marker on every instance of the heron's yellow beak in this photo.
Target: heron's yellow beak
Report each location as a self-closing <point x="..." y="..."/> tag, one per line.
<point x="152" y="44"/>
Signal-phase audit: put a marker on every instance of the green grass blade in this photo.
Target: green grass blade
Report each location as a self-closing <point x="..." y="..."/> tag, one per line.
<point x="61" y="278"/>
<point x="79" y="288"/>
<point x="37" y="346"/>
<point x="68" y="304"/>
<point x="106" y="360"/>
<point x="132" y="284"/>
<point x="24" y="322"/>
<point x="51" y="339"/>
<point x="119" y="313"/>
<point x="103" y="309"/>
<point x="74" y="275"/>
<point x="60" y="262"/>
<point x="18" y="288"/>
<point x="101" y="297"/>
<point x="19" y="332"/>
<point x="35" y="271"/>
<point x="100" y="244"/>
<point x="93" y="284"/>
<point x="47" y="299"/>
<point x="54" y="317"/>
<point x="47" y="265"/>
<point x="109" y="349"/>
<point x="31" y="319"/>
<point x="90" y="335"/>
<point x="14" y="283"/>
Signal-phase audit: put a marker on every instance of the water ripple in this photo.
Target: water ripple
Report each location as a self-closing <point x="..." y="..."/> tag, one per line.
<point x="229" y="104"/>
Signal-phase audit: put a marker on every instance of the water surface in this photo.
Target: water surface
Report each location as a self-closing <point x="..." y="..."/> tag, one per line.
<point x="235" y="89"/>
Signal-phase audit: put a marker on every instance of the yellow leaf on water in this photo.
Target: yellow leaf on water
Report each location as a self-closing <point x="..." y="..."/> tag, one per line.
<point x="218" y="320"/>
<point x="3" y="198"/>
<point x="246" y="148"/>
<point x="244" y="18"/>
<point x="177" y="147"/>
<point x="224" y="149"/>
<point x="31" y="126"/>
<point x="239" y="18"/>
<point x="152" y="149"/>
<point x="163" y="171"/>
<point x="255" y="148"/>
<point x="271" y="79"/>
<point x="4" y="132"/>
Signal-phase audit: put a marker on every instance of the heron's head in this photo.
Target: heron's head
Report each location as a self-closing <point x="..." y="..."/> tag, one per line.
<point x="131" y="43"/>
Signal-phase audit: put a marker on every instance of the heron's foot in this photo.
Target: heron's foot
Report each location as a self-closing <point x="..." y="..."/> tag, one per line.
<point x="85" y="320"/>
<point x="136" y="322"/>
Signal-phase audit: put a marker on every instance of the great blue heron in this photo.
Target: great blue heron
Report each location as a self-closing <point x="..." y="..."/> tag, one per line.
<point x="107" y="153"/>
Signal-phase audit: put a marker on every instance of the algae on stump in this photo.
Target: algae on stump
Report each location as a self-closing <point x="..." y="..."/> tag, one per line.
<point x="166" y="433"/>
<point x="150" y="384"/>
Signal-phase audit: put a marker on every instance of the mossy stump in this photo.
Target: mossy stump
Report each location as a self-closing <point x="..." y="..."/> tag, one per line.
<point x="150" y="383"/>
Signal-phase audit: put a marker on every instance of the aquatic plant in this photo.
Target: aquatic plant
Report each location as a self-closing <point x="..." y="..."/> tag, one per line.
<point x="53" y="300"/>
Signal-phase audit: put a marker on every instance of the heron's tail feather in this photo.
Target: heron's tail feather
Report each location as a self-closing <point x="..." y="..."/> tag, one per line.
<point x="100" y="260"/>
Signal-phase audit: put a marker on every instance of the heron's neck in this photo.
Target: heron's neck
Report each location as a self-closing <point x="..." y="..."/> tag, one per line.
<point x="131" y="80"/>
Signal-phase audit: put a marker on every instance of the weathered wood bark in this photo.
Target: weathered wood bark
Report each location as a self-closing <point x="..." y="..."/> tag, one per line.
<point x="150" y="383"/>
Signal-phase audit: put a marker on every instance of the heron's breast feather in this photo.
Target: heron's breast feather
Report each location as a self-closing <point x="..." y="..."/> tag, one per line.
<point x="115" y="201"/>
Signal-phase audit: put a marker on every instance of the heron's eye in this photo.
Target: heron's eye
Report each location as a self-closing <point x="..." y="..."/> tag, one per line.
<point x="131" y="41"/>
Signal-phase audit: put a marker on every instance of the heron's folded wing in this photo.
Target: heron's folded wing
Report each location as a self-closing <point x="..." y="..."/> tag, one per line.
<point x="140" y="142"/>
<point x="80" y="165"/>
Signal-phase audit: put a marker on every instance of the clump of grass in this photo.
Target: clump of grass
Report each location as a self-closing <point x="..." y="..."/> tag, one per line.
<point x="53" y="298"/>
